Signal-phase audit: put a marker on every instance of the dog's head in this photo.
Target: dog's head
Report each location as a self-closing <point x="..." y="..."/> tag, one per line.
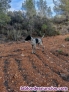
<point x="28" y="38"/>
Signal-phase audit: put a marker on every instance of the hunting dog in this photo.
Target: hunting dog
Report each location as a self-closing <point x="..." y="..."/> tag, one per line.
<point x="34" y="42"/>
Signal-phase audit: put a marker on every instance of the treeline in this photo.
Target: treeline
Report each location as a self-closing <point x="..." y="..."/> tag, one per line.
<point x="35" y="18"/>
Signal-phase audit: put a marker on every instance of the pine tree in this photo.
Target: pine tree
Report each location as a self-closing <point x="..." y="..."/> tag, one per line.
<point x="4" y="5"/>
<point x="49" y="12"/>
<point x="42" y="8"/>
<point x="29" y="7"/>
<point x="61" y="7"/>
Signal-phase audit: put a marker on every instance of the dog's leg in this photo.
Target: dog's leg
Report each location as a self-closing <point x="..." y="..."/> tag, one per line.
<point x="33" y="49"/>
<point x="42" y="46"/>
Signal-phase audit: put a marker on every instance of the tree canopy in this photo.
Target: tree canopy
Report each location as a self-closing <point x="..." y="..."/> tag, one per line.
<point x="61" y="7"/>
<point x="4" y="5"/>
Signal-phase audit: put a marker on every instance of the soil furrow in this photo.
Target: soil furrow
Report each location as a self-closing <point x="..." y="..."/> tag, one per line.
<point x="56" y="69"/>
<point x="45" y="71"/>
<point x="13" y="80"/>
<point x="31" y="77"/>
<point x="2" y="87"/>
<point x="7" y="77"/>
<point x="64" y="64"/>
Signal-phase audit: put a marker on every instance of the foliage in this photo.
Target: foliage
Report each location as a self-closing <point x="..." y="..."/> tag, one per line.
<point x="4" y="18"/>
<point x="31" y="20"/>
<point x="4" y="5"/>
<point x="29" y="7"/>
<point x="62" y="7"/>
<point x="38" y="25"/>
<point x="60" y="51"/>
<point x="49" y="12"/>
<point x="42" y="8"/>
<point x="51" y="31"/>
<point x="14" y="34"/>
<point x="59" y="19"/>
<point x="44" y="27"/>
<point x="67" y="39"/>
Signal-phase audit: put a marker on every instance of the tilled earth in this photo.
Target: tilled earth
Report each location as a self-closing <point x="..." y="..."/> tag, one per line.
<point x="19" y="67"/>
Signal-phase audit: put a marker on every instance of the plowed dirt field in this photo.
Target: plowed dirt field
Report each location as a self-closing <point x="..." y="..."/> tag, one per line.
<point x="19" y="67"/>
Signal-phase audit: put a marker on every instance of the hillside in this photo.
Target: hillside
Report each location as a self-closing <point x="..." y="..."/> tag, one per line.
<point x="19" y="67"/>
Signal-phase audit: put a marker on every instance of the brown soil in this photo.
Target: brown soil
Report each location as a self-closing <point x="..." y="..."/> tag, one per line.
<point x="19" y="67"/>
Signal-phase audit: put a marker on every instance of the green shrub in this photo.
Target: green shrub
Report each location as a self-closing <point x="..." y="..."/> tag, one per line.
<point x="14" y="34"/>
<point x="60" y="51"/>
<point x="57" y="33"/>
<point x="44" y="27"/>
<point x="67" y="39"/>
<point x="51" y="32"/>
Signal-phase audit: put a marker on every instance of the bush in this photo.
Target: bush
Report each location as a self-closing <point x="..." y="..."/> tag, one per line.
<point x="44" y="27"/>
<point x="14" y="34"/>
<point x="67" y="39"/>
<point x="51" y="31"/>
<point x="57" y="33"/>
<point x="38" y="33"/>
<point x="60" y="51"/>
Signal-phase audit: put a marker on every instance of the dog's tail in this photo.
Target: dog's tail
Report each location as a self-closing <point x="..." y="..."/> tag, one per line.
<point x="42" y="36"/>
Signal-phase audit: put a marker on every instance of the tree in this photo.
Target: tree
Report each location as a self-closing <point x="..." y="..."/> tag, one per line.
<point x="4" y="19"/>
<point x="29" y="7"/>
<point x="49" y="12"/>
<point x="61" y="7"/>
<point x="4" y="5"/>
<point x="42" y="8"/>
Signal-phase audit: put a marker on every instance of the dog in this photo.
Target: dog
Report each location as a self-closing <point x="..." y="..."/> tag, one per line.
<point x="34" y="42"/>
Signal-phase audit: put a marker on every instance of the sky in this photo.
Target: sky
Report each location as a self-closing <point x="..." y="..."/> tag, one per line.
<point x="16" y="4"/>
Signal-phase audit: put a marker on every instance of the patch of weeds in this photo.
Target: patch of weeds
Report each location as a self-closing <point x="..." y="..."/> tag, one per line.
<point x="67" y="39"/>
<point x="60" y="51"/>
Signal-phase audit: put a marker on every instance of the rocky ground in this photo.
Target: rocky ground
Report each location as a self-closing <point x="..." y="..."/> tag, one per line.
<point x="19" y="67"/>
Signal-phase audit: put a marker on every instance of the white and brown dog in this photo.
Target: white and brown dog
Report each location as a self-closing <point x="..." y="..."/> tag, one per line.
<point x="35" y="41"/>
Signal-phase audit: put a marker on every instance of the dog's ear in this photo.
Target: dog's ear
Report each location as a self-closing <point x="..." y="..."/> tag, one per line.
<point x="28" y="38"/>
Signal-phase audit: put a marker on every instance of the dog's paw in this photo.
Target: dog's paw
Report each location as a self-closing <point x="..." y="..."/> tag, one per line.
<point x="42" y="50"/>
<point x="33" y="52"/>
